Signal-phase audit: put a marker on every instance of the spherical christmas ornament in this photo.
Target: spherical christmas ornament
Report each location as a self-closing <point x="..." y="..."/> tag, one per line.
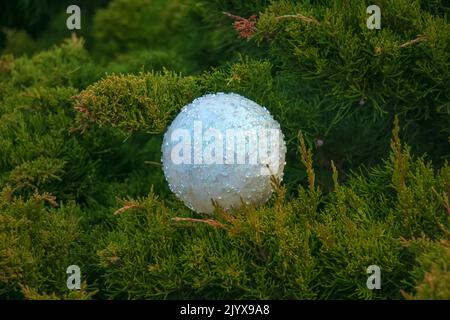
<point x="223" y="147"/>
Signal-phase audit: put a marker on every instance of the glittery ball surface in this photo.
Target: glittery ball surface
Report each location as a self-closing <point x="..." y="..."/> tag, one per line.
<point x="225" y="147"/>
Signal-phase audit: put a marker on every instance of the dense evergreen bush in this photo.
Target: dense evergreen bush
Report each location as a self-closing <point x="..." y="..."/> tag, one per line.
<point x="366" y="114"/>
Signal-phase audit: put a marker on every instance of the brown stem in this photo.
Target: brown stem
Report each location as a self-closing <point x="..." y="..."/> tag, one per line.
<point x="125" y="208"/>
<point x="232" y="16"/>
<point x="211" y="222"/>
<point x="418" y="39"/>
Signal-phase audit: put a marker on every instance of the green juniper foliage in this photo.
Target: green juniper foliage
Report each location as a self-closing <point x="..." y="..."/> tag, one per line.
<point x="366" y="115"/>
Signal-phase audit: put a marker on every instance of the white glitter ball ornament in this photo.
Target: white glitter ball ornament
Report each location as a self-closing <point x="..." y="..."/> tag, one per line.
<point x="224" y="147"/>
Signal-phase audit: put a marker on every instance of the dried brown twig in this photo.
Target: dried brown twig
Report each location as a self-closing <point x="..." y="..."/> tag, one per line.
<point x="127" y="207"/>
<point x="245" y="27"/>
<point x="211" y="222"/>
<point x="419" y="38"/>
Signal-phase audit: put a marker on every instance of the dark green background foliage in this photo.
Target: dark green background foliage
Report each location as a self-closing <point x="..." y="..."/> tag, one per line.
<point x="81" y="120"/>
